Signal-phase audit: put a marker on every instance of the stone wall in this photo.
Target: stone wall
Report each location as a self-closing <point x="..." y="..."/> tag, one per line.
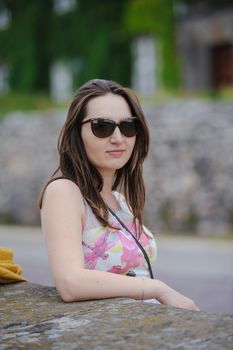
<point x="188" y="173"/>
<point x="28" y="156"/>
<point x="34" y="317"/>
<point x="190" y="168"/>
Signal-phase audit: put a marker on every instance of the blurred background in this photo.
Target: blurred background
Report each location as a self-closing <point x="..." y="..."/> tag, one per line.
<point x="178" y="57"/>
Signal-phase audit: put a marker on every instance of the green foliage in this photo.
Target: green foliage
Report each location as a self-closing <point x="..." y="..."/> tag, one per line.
<point x="94" y="38"/>
<point x="25" y="102"/>
<point x="23" y="44"/>
<point x="89" y="38"/>
<point x="155" y="18"/>
<point x="148" y="16"/>
<point x="100" y="43"/>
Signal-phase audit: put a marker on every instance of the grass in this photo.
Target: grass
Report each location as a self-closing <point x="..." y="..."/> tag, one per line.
<point x="161" y="97"/>
<point x="27" y="102"/>
<point x="41" y="102"/>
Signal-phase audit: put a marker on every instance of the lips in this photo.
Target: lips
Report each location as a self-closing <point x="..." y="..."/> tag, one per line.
<point x="116" y="153"/>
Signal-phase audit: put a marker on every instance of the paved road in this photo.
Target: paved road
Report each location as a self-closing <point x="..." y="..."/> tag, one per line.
<point x="199" y="268"/>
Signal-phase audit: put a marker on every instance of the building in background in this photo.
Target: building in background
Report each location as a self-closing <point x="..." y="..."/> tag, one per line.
<point x="205" y="45"/>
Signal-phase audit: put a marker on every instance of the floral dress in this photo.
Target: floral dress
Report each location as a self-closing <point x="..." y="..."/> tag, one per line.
<point x="114" y="250"/>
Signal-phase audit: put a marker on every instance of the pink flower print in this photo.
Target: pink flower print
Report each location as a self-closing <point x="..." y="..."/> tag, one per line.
<point x="98" y="250"/>
<point x="116" y="269"/>
<point x="132" y="256"/>
<point x="144" y="239"/>
<point x="146" y="242"/>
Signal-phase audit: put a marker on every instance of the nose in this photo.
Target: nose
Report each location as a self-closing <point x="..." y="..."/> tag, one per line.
<point x="117" y="136"/>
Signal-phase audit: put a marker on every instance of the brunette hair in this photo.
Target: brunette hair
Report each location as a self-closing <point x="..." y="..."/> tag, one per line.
<point x="75" y="165"/>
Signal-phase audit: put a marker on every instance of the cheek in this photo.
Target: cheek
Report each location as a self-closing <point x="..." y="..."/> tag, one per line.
<point x="130" y="147"/>
<point x="92" y="146"/>
<point x="92" y="149"/>
<point x="132" y="143"/>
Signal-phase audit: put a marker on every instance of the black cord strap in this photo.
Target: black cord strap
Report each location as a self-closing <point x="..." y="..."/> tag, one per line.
<point x="137" y="242"/>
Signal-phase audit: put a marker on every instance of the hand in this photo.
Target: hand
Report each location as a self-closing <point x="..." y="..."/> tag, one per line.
<point x="169" y="296"/>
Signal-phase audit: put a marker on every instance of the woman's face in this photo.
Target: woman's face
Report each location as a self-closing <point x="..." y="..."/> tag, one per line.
<point x="113" y="152"/>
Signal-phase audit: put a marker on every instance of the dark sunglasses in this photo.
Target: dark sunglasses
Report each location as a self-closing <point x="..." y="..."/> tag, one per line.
<point x="103" y="127"/>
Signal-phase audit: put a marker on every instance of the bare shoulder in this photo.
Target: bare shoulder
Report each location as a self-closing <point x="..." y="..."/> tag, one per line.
<point x="62" y="186"/>
<point x="62" y="218"/>
<point x="64" y="190"/>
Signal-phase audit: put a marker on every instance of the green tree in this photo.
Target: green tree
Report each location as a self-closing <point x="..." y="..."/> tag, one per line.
<point x="156" y="18"/>
<point x="23" y="45"/>
<point x="93" y="34"/>
<point x="90" y="34"/>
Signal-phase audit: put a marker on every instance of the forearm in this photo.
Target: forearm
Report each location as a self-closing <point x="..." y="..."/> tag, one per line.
<point x="93" y="284"/>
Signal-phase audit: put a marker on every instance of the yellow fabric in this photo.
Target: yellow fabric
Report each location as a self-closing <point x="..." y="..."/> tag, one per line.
<point x="9" y="272"/>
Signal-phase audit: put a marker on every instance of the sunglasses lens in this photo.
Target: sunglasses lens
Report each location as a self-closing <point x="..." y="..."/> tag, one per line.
<point x="102" y="128"/>
<point x="129" y="127"/>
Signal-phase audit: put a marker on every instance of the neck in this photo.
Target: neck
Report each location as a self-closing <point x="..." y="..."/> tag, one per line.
<point x="106" y="192"/>
<point x="107" y="183"/>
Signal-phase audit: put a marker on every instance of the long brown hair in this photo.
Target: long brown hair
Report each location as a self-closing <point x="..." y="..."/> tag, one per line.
<point x="75" y="165"/>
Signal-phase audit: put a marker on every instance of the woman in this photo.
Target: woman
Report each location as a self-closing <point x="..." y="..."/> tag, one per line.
<point x="95" y="237"/>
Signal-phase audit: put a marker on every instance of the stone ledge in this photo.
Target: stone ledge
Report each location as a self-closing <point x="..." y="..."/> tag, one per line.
<point x="34" y="317"/>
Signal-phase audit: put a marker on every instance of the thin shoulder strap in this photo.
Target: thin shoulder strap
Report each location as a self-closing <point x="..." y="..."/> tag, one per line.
<point x="137" y="242"/>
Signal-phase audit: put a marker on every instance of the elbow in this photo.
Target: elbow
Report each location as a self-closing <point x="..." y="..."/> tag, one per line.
<point x="67" y="298"/>
<point x="69" y="290"/>
<point x="67" y="294"/>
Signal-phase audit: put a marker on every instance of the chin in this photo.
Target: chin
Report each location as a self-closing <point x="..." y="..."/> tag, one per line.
<point x="112" y="166"/>
<point x="118" y="165"/>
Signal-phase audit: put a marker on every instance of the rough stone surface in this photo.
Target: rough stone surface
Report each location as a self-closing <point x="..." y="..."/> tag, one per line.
<point x="188" y="174"/>
<point x="28" y="156"/>
<point x="34" y="317"/>
<point x="189" y="170"/>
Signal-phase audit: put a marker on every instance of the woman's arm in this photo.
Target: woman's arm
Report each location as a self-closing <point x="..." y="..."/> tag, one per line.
<point x="62" y="217"/>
